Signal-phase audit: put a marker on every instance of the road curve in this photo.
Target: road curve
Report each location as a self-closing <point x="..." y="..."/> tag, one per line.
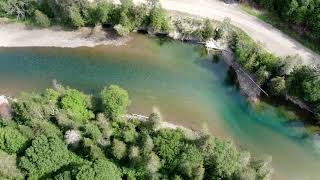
<point x="273" y="39"/>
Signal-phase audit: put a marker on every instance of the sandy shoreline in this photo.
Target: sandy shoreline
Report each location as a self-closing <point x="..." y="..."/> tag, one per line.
<point x="21" y="35"/>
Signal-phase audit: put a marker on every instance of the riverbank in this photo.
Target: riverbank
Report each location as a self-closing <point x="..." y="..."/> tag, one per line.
<point x="15" y="34"/>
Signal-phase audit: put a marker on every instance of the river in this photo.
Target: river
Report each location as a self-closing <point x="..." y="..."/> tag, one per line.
<point x="185" y="84"/>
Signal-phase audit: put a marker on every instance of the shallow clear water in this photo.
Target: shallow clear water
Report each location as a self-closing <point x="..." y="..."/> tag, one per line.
<point x="189" y="89"/>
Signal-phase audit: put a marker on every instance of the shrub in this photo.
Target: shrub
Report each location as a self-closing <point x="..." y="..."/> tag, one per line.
<point x="119" y="149"/>
<point x="277" y="86"/>
<point x="122" y="30"/>
<point x="41" y="19"/>
<point x="153" y="163"/>
<point x="100" y="13"/>
<point x="11" y="140"/>
<point x="134" y="153"/>
<point x="46" y="155"/>
<point x="191" y="163"/>
<point x="92" y="131"/>
<point x="223" y="161"/>
<point x="75" y="103"/>
<point x="158" y="19"/>
<point x="168" y="144"/>
<point x="8" y="167"/>
<point x="76" y="19"/>
<point x="115" y="101"/>
<point x="208" y="30"/>
<point x="33" y="106"/>
<point x="154" y="120"/>
<point x="91" y="150"/>
<point x="99" y="170"/>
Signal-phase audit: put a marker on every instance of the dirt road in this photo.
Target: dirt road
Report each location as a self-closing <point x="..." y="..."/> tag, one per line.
<point x="274" y="40"/>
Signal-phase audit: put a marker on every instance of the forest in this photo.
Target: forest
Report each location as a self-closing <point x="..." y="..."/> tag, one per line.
<point x="78" y="13"/>
<point x="63" y="133"/>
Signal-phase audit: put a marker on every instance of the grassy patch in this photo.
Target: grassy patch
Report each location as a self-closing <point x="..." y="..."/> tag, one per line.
<point x="283" y="26"/>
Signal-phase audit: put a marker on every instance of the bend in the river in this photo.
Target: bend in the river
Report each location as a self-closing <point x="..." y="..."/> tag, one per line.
<point x="187" y="87"/>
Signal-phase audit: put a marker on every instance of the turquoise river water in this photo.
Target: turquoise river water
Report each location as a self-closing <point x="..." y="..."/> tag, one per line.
<point x="187" y="87"/>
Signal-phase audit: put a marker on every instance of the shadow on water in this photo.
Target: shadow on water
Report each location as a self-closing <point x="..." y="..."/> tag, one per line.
<point x="289" y="115"/>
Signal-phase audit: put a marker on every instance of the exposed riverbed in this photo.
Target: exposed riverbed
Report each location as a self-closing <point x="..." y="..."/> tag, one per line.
<point x="187" y="87"/>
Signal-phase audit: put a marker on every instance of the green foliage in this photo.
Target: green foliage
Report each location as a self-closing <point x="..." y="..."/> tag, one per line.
<point x="208" y="30"/>
<point x="115" y="101"/>
<point x="223" y="161"/>
<point x="11" y="140"/>
<point x="278" y="86"/>
<point x="254" y="59"/>
<point x="92" y="131"/>
<point x="122" y="30"/>
<point x="125" y="130"/>
<point x="304" y="82"/>
<point x="100" y="13"/>
<point x="299" y="13"/>
<point x="119" y="149"/>
<point x="153" y="163"/>
<point x="158" y="19"/>
<point x="76" y="19"/>
<point x="261" y="75"/>
<point x="41" y="19"/>
<point x="69" y="12"/>
<point x="168" y="144"/>
<point x="35" y="106"/>
<point x="142" y="150"/>
<point x="134" y="153"/>
<point x="91" y="150"/>
<point x="99" y="170"/>
<point x="8" y="167"/>
<point x="191" y="163"/>
<point x="19" y="9"/>
<point x="76" y="104"/>
<point x="46" y="155"/>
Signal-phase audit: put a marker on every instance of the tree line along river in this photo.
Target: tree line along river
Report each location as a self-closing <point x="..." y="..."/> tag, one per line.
<point x="187" y="86"/>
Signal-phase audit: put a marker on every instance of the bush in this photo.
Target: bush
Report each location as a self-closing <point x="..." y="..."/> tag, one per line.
<point x="92" y="131"/>
<point x="8" y="167"/>
<point x="223" y="161"/>
<point x="158" y="19"/>
<point x="91" y="150"/>
<point x="119" y="149"/>
<point x="100" y="13"/>
<point x="168" y="145"/>
<point x="41" y="19"/>
<point x="122" y="30"/>
<point x="277" y="86"/>
<point x="46" y="155"/>
<point x="76" y="19"/>
<point x="99" y="170"/>
<point x="11" y="140"/>
<point x="75" y="103"/>
<point x="191" y="163"/>
<point x="115" y="101"/>
<point x="208" y="30"/>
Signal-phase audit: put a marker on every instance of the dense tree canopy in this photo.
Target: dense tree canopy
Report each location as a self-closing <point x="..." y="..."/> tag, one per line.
<point x="299" y="12"/>
<point x="11" y="140"/>
<point x="99" y="170"/>
<point x="38" y="146"/>
<point x="44" y="156"/>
